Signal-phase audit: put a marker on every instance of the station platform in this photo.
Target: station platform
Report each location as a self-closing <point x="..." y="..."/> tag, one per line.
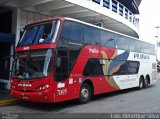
<point x="5" y="98"/>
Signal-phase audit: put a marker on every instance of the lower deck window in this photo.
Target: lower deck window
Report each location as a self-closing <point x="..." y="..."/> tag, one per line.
<point x="101" y="67"/>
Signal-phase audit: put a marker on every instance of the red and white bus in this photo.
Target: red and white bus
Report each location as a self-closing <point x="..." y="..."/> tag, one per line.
<point x="60" y="59"/>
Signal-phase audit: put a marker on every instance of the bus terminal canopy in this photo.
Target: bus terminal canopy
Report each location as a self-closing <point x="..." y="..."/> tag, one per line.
<point x="113" y="16"/>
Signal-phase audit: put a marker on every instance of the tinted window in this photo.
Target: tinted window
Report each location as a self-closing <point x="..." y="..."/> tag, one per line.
<point x="131" y="44"/>
<point x="62" y="65"/>
<point x="108" y="39"/>
<point x="133" y="67"/>
<point x="127" y="67"/>
<point x="122" y="69"/>
<point x="122" y="42"/>
<point x="73" y="54"/>
<point x="152" y="49"/>
<point x="139" y="46"/>
<point x="40" y="33"/>
<point x="92" y="35"/>
<point x="72" y="32"/>
<point x="144" y="47"/>
<point x="93" y="68"/>
<point x="149" y="48"/>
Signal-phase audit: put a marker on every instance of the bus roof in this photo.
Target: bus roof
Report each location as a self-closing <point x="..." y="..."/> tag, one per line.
<point x="71" y="19"/>
<point x="45" y="20"/>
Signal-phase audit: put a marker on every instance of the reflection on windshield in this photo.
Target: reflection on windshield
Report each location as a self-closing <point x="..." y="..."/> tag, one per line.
<point x="41" y="33"/>
<point x="33" y="64"/>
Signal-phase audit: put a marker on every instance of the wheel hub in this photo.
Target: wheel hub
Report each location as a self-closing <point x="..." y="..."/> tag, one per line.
<point x="84" y="93"/>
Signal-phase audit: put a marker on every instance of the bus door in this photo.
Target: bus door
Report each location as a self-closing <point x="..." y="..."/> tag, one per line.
<point x="66" y="58"/>
<point x="74" y="50"/>
<point x="61" y="71"/>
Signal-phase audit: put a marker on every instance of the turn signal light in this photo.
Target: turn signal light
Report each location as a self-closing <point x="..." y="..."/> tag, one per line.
<point x="13" y="86"/>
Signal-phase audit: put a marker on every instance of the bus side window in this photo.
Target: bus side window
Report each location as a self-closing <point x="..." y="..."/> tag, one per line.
<point x="133" y="67"/>
<point x="58" y="63"/>
<point x="139" y="46"/>
<point x="93" y="68"/>
<point x="122" y="42"/>
<point x="92" y="35"/>
<point x="72" y="32"/>
<point x="131" y="45"/>
<point x="123" y="69"/>
<point x="108" y="39"/>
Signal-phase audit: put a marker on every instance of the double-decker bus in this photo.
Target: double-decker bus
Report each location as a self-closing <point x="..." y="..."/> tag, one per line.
<point x="60" y="59"/>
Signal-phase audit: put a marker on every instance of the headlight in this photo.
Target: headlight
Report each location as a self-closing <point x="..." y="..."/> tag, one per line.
<point x="44" y="87"/>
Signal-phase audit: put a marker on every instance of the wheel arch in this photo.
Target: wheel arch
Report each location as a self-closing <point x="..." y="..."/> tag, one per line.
<point x="141" y="77"/>
<point x="90" y="83"/>
<point x="148" y="78"/>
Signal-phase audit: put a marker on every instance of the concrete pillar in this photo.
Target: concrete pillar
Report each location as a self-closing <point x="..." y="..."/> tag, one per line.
<point x="16" y="17"/>
<point x="16" y="24"/>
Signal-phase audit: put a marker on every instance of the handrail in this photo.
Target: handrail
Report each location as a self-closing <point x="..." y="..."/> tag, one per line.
<point x="120" y="9"/>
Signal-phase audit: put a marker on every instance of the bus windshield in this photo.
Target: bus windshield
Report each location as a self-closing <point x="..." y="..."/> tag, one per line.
<point x="39" y="33"/>
<point x="32" y="64"/>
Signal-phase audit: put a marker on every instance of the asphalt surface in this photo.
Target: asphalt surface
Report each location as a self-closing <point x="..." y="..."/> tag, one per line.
<point x="126" y="101"/>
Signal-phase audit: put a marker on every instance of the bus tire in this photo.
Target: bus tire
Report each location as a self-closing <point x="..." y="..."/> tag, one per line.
<point x="85" y="94"/>
<point x="146" y="82"/>
<point x="141" y="83"/>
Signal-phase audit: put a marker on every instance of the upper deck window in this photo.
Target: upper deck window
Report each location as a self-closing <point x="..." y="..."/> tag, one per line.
<point x="39" y="33"/>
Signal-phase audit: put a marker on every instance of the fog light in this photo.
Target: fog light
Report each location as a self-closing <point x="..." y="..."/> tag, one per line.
<point x="13" y="86"/>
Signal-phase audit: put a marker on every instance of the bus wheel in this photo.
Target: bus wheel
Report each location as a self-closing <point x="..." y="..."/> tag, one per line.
<point x="146" y="82"/>
<point x="141" y="83"/>
<point x="85" y="93"/>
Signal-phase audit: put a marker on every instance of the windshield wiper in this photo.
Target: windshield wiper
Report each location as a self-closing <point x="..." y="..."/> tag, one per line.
<point x="29" y="69"/>
<point x="23" y="64"/>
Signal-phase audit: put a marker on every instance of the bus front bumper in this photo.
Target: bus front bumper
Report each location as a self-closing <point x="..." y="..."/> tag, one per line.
<point x="42" y="96"/>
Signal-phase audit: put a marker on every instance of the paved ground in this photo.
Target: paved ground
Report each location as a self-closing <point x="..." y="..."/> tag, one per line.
<point x="127" y="101"/>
